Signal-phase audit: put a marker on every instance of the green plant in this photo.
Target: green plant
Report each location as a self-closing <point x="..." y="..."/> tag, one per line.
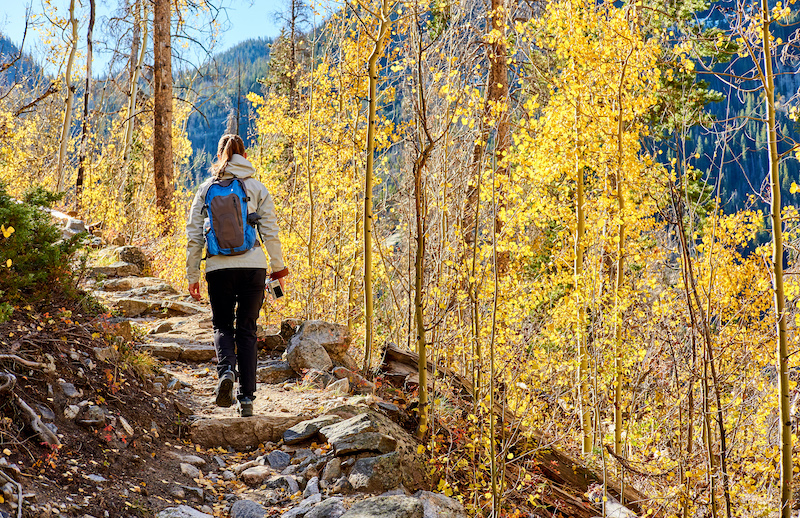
<point x="34" y="259"/>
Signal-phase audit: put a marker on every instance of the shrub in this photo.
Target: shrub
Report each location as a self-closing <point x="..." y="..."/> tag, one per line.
<point x="35" y="262"/>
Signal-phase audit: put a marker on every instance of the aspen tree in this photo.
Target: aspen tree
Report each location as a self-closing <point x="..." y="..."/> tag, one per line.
<point x="782" y="349"/>
<point x="86" y="96"/>
<point x="70" y="90"/>
<point x="384" y="26"/>
<point x="137" y="59"/>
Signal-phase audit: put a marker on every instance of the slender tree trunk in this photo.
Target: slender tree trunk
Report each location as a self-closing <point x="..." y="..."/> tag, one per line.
<point x="618" y="424"/>
<point x="383" y="29"/>
<point x="86" y="95"/>
<point x="67" y="123"/>
<point x="782" y="350"/>
<point x="580" y="307"/>
<point x="162" y="109"/>
<point x="311" y="207"/>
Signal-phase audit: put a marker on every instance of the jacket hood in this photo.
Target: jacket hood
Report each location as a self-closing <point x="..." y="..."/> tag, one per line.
<point x="240" y="167"/>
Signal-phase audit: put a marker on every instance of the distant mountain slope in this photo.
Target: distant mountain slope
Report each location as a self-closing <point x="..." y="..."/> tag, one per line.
<point x="23" y="69"/>
<point x="222" y="86"/>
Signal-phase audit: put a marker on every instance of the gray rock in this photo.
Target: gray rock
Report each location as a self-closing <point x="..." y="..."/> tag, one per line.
<point x="116" y="269"/>
<point x="242" y="433"/>
<point x="342" y="486"/>
<point x="163" y="327"/>
<point x="190" y="471"/>
<point x="133" y="255"/>
<point x="339" y="387"/>
<point x="71" y="412"/>
<point x="227" y="476"/>
<point x="358" y="383"/>
<point x="194" y="460"/>
<point x="93" y="416"/>
<point x="278" y="459"/>
<point x="330" y="508"/>
<point x="177" y="307"/>
<point x="45" y="413"/>
<point x="308" y="429"/>
<point x="132" y="307"/>
<point x="247" y="509"/>
<point x="177" y="492"/>
<point x="359" y="433"/>
<point x="333" y="470"/>
<point x="256" y="475"/>
<point x="437" y="505"/>
<point x="367" y="441"/>
<point x="333" y="337"/>
<point x="303" y="507"/>
<point x="69" y="390"/>
<point x="312" y="488"/>
<point x="275" y="372"/>
<point x="386" y="507"/>
<point x="376" y="474"/>
<point x="308" y="354"/>
<point x="286" y="482"/>
<point x="183" y="511"/>
<point x="317" y="379"/>
<point x="183" y="408"/>
<point x="194" y="493"/>
<point x="97" y="479"/>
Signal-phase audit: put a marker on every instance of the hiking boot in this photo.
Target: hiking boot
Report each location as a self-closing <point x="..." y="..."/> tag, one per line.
<point x="224" y="390"/>
<point x="246" y="407"/>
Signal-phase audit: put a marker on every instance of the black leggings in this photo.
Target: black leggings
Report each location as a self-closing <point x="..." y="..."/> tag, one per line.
<point x="236" y="295"/>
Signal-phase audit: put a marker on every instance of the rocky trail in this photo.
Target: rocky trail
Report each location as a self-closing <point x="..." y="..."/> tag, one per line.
<point x="136" y="437"/>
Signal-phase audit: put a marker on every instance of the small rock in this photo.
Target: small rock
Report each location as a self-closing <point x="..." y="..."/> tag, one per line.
<point x="227" y="476"/>
<point x="69" y="390"/>
<point x="71" y="412"/>
<point x="96" y="478"/>
<point x="194" y="493"/>
<point x="278" y="459"/>
<point x="317" y="379"/>
<point x="275" y="372"/>
<point x="163" y="327"/>
<point x="339" y="387"/>
<point x="94" y="416"/>
<point x="440" y="506"/>
<point x="177" y="492"/>
<point x="126" y="426"/>
<point x="194" y="460"/>
<point x="386" y="507"/>
<point x="342" y="486"/>
<point x="333" y="470"/>
<point x="330" y="508"/>
<point x="312" y="488"/>
<point x="158" y="388"/>
<point x="190" y="471"/>
<point x="376" y="474"/>
<point x="132" y="307"/>
<point x="247" y="509"/>
<point x="45" y="413"/>
<point x="286" y="482"/>
<point x="183" y="511"/>
<point x="255" y="475"/>
<point x="183" y="408"/>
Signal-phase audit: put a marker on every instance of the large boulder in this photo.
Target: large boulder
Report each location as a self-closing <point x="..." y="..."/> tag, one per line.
<point x="386" y="507"/>
<point x="132" y="307"/>
<point x="333" y="337"/>
<point x="127" y="254"/>
<point x="358" y="434"/>
<point x="330" y="508"/>
<point x="242" y="433"/>
<point x="247" y="509"/>
<point x="182" y="511"/>
<point x="308" y="354"/>
<point x="376" y="474"/>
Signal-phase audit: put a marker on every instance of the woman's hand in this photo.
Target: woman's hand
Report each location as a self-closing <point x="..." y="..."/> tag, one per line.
<point x="194" y="290"/>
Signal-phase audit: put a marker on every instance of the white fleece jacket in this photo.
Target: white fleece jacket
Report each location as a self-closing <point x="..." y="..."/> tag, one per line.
<point x="260" y="202"/>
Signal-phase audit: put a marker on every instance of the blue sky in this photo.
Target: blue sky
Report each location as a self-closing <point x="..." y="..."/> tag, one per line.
<point x="248" y="19"/>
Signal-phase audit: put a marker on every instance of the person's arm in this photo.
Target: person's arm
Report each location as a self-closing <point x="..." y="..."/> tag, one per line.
<point x="195" y="242"/>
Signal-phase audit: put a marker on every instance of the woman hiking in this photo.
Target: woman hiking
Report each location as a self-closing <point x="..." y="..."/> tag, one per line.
<point x="236" y="266"/>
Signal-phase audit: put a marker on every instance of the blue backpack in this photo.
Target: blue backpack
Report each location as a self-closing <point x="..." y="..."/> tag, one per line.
<point x="227" y="228"/>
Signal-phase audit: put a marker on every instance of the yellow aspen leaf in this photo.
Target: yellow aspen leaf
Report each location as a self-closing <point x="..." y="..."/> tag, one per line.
<point x="8" y="263"/>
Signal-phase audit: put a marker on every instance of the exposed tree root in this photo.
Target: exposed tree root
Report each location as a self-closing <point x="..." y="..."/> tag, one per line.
<point x="31" y="418"/>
